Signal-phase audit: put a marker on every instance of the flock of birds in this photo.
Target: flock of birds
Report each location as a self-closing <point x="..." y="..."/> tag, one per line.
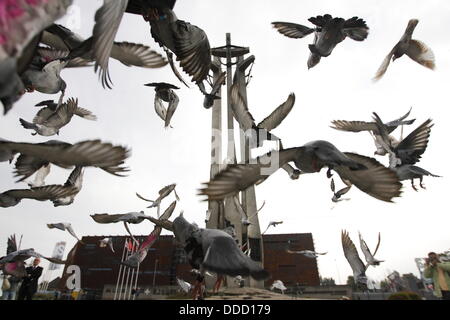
<point x="34" y="51"/>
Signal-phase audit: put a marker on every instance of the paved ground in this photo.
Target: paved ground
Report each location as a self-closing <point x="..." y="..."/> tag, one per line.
<point x="250" y="294"/>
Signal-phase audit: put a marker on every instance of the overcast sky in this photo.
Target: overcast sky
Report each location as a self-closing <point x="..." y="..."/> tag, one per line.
<point x="339" y="87"/>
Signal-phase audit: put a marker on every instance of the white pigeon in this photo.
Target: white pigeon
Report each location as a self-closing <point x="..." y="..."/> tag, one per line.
<point x="278" y="284"/>
<point x="106" y="242"/>
<point x="64" y="226"/>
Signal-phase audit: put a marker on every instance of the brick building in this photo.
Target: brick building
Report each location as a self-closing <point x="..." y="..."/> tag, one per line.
<point x="166" y="261"/>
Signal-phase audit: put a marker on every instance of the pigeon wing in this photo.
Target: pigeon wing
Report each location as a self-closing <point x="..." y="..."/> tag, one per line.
<point x="356" y="28"/>
<point x="421" y="53"/>
<point x="107" y="22"/>
<point x="410" y="149"/>
<point x="353" y="126"/>
<point x="365" y="249"/>
<point x="224" y="257"/>
<point x="26" y="166"/>
<point x="11" y="244"/>
<point x="192" y="50"/>
<point x="107" y="218"/>
<point x="278" y="115"/>
<point x="139" y="55"/>
<point x="377" y="180"/>
<point x="351" y="254"/>
<point x="44" y="193"/>
<point x="384" y="65"/>
<point x="240" y="109"/>
<point x="238" y="177"/>
<point x="378" y="244"/>
<point x="43" y="115"/>
<point x="292" y="30"/>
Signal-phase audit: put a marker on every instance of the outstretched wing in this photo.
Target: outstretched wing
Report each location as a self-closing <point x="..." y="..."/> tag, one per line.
<point x="192" y="50"/>
<point x="378" y="244"/>
<point x="410" y="149"/>
<point x="278" y="115"/>
<point x="223" y="256"/>
<point x="365" y="249"/>
<point x="107" y="22"/>
<point x="240" y="109"/>
<point x="421" y="53"/>
<point x="238" y="177"/>
<point x="353" y="126"/>
<point x="106" y="218"/>
<point x="351" y="254"/>
<point x="11" y="244"/>
<point x="377" y="180"/>
<point x="292" y="30"/>
<point x="384" y="65"/>
<point x="44" y="193"/>
<point x="139" y="55"/>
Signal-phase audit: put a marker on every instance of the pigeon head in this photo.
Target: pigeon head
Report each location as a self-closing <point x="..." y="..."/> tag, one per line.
<point x="182" y="229"/>
<point x="313" y="60"/>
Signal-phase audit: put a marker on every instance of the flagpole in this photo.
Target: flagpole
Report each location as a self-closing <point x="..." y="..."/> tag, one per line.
<point x="123" y="268"/>
<point x="120" y="271"/>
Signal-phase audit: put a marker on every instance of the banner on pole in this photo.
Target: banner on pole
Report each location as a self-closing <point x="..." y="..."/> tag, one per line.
<point x="58" y="253"/>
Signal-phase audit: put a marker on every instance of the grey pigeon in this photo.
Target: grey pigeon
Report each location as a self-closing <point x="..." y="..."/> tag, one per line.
<point x="337" y="195"/>
<point x="404" y="154"/>
<point x="164" y="192"/>
<point x="75" y="180"/>
<point x="22" y="24"/>
<point x="365" y="173"/>
<point x="370" y="258"/>
<point x="136" y="258"/>
<point x="13" y="197"/>
<point x="90" y="153"/>
<point x="14" y="262"/>
<point x="307" y="253"/>
<point x="372" y="128"/>
<point x="212" y="250"/>
<point x="328" y="32"/>
<point x="48" y="122"/>
<point x="126" y="218"/>
<point x="210" y="97"/>
<point x="272" y="224"/>
<point x="164" y="92"/>
<point x="261" y="131"/>
<point x="410" y="149"/>
<point x="352" y="256"/>
<point x="415" y="49"/>
<point x="64" y="226"/>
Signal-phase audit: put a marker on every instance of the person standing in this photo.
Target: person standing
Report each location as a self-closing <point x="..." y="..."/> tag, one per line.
<point x="440" y="273"/>
<point x="10" y="293"/>
<point x="30" y="281"/>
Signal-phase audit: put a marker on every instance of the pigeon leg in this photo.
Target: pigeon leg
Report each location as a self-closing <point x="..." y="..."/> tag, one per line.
<point x="329" y="174"/>
<point x="413" y="186"/>
<point x="421" y="184"/>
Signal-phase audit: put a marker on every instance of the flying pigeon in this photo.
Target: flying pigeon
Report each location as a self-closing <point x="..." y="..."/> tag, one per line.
<point x="245" y="218"/>
<point x="352" y="256"/>
<point x="272" y="224"/>
<point x="262" y="129"/>
<point x="164" y="92"/>
<point x="415" y="49"/>
<point x="49" y="121"/>
<point x="404" y="154"/>
<point x="39" y="177"/>
<point x="278" y="284"/>
<point x="136" y="258"/>
<point x="21" y="25"/>
<point x="13" y="197"/>
<point x="64" y="226"/>
<point x="370" y="258"/>
<point x="106" y="242"/>
<point x="208" y="101"/>
<point x="14" y="262"/>
<point x="71" y="47"/>
<point x="164" y="192"/>
<point x="328" y="32"/>
<point x="365" y="173"/>
<point x="90" y="153"/>
<point x="337" y="195"/>
<point x="307" y="253"/>
<point x="185" y="286"/>
<point x="372" y="128"/>
<point x="75" y="180"/>
<point x="212" y="250"/>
